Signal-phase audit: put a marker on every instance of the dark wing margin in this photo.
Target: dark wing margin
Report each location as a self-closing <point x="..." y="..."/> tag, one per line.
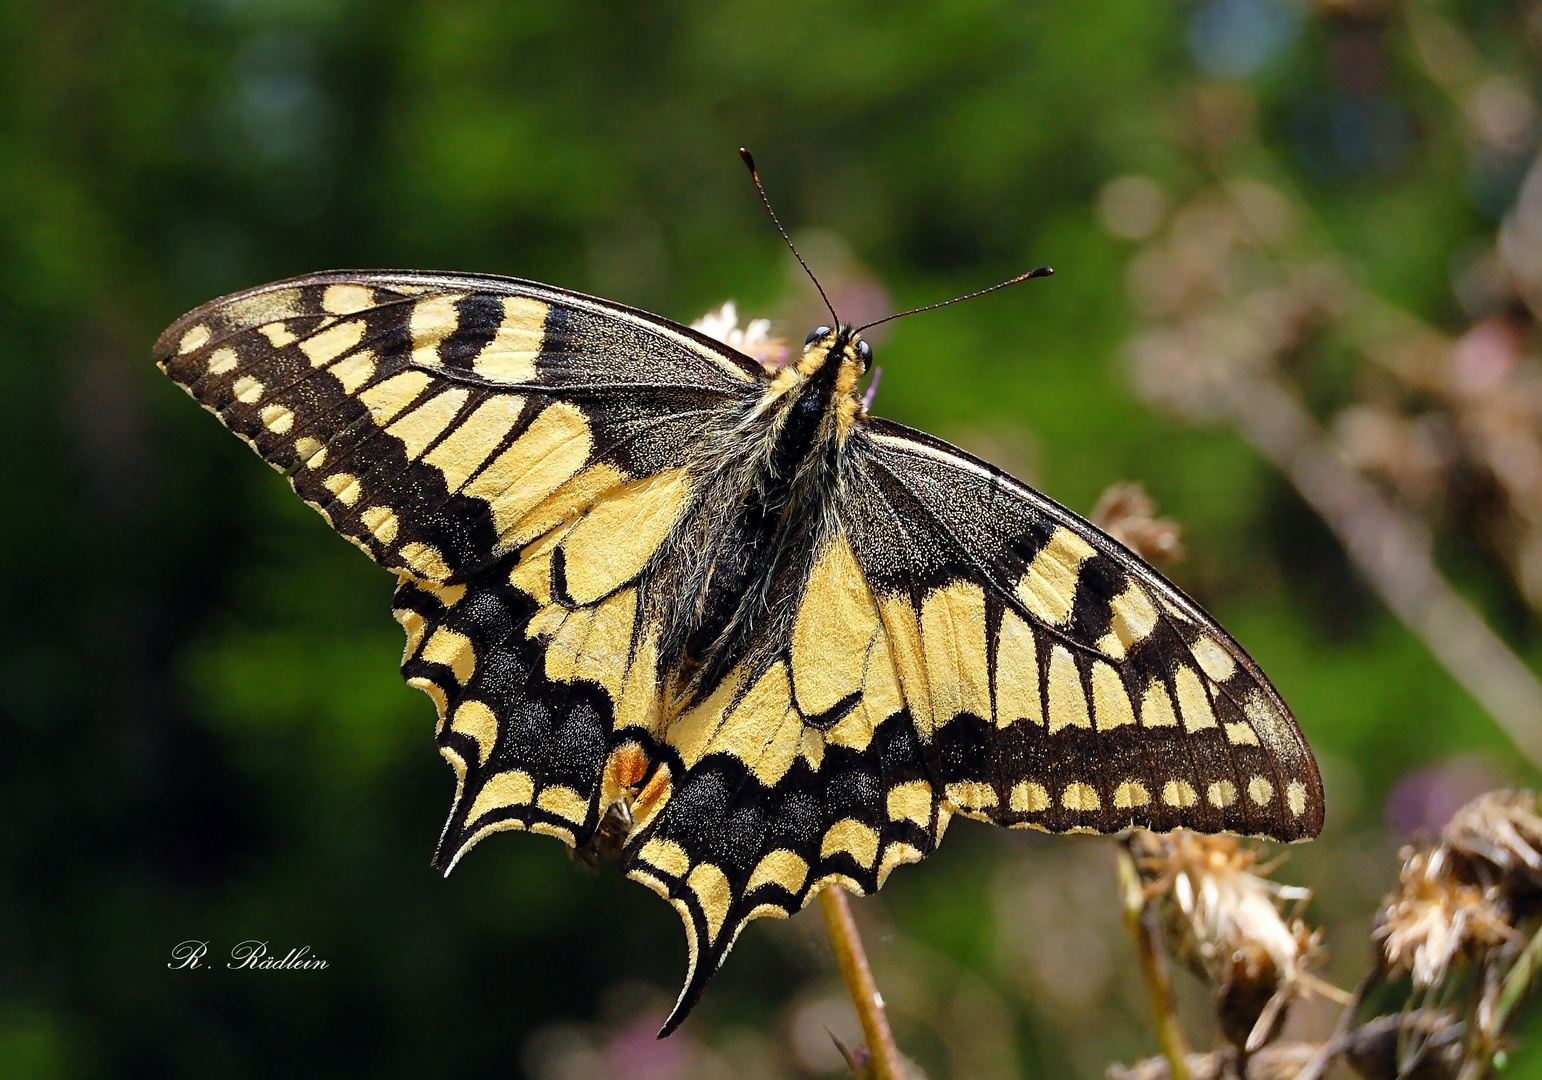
<point x="438" y="421"/>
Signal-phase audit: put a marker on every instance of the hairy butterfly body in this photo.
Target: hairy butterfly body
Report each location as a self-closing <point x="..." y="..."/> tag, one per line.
<point x="718" y="620"/>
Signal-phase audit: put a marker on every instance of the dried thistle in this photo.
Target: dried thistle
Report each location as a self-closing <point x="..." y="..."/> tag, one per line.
<point x="1225" y="922"/>
<point x="1500" y="835"/>
<point x="1379" y="1048"/>
<point x="1282" y="1061"/>
<point x="1434" y="919"/>
<point x="1128" y="514"/>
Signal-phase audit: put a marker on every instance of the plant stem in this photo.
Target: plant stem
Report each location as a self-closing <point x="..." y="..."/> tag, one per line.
<point x="1140" y="920"/>
<point x="1517" y="982"/>
<point x="884" y="1055"/>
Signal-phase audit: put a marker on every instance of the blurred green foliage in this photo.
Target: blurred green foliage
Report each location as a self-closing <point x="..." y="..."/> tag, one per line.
<point x="205" y="734"/>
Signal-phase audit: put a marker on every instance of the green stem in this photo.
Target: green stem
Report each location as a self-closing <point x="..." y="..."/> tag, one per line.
<point x="1140" y="920"/>
<point x="884" y="1058"/>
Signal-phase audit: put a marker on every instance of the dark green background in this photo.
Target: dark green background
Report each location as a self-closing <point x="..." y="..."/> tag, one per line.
<point x="202" y="731"/>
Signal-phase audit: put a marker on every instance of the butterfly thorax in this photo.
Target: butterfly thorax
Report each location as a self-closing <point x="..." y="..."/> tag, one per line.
<point x="768" y="483"/>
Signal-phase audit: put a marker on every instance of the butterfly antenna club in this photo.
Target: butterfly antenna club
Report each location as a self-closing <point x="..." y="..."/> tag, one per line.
<point x="1037" y="272"/>
<point x="749" y="163"/>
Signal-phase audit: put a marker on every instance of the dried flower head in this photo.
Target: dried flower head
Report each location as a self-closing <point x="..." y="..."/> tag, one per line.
<point x="1226" y="923"/>
<point x="1128" y="514"/>
<point x="1500" y="834"/>
<point x="1420" y="1044"/>
<point x="754" y="340"/>
<point x="1434" y="918"/>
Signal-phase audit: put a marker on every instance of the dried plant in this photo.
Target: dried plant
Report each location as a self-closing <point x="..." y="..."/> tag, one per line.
<point x="1461" y="927"/>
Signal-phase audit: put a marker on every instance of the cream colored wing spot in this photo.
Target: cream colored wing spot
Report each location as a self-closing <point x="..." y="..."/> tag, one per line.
<point x="348" y="299"/>
<point x="1017" y="674"/>
<point x="616" y="538"/>
<point x="326" y="346"/>
<point x="1240" y="735"/>
<point x="513" y="788"/>
<point x="463" y="451"/>
<point x="248" y="390"/>
<point x="1260" y="790"/>
<point x="713" y="894"/>
<point x="278" y="335"/>
<point x="1067" y="702"/>
<point x="425" y="560"/>
<point x="852" y="837"/>
<point x="1179" y="793"/>
<point x="1193" y="702"/>
<point x="608" y="649"/>
<point x="310" y="451"/>
<point x="345" y="486"/>
<point x="1156" y="708"/>
<point x="1130" y="794"/>
<point x="1295" y="797"/>
<point x="433" y="319"/>
<point x="386" y="399"/>
<point x="1028" y="797"/>
<point x="1221" y="794"/>
<point x="545" y="828"/>
<point x="414" y="624"/>
<point x="641" y="704"/>
<point x="1213" y="660"/>
<point x="1272" y="728"/>
<point x="881" y="697"/>
<point x="953" y="645"/>
<point x="811" y="748"/>
<point x="910" y="801"/>
<point x="265" y="307"/>
<point x="971" y="796"/>
<point x="418" y="428"/>
<point x="1048" y="587"/>
<point x="896" y="854"/>
<point x="452" y="650"/>
<point x="567" y="640"/>
<point x="554" y="447"/>
<point x="834" y="629"/>
<point x="223" y="361"/>
<point x="665" y="855"/>
<point x="510" y="356"/>
<point x="570" y="500"/>
<point x="781" y="867"/>
<point x="1080" y="796"/>
<point x="564" y="802"/>
<point x="904" y="639"/>
<point x="1111" y="706"/>
<point x="277" y="419"/>
<point x="354" y="370"/>
<point x="381" y="522"/>
<point x="854" y="731"/>
<point x="1133" y="616"/>
<point x="194" y="339"/>
<point x="475" y="720"/>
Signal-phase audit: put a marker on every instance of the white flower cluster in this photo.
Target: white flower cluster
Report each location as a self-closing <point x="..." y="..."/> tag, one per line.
<point x="754" y="340"/>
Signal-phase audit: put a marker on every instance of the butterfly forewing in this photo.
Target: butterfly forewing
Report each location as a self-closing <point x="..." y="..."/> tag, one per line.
<point x="441" y="421"/>
<point x="949" y="642"/>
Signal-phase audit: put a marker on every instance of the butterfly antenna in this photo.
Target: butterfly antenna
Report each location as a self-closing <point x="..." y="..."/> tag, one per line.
<point x="1038" y="272"/>
<point x="749" y="163"/>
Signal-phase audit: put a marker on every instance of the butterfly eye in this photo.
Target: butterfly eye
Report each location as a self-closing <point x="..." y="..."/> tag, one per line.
<point x="815" y="334"/>
<point x="865" y="351"/>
